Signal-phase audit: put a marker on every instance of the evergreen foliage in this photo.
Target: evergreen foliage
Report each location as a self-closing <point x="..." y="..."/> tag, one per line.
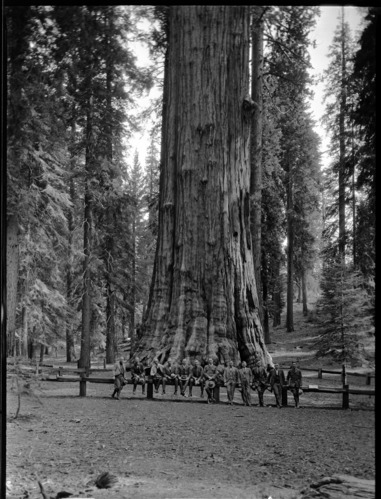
<point x="345" y="311"/>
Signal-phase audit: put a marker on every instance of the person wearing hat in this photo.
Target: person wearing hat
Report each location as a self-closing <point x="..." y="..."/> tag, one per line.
<point x="260" y="376"/>
<point x="119" y="381"/>
<point x="294" y="379"/>
<point x="277" y="381"/>
<point x="210" y="372"/>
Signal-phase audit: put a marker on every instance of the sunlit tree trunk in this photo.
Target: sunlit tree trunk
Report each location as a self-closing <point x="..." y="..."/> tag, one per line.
<point x="203" y="296"/>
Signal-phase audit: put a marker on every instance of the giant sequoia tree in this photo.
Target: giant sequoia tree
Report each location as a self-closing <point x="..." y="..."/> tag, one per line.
<point x="203" y="298"/>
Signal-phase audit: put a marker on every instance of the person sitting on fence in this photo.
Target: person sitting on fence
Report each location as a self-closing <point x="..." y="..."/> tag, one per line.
<point x="157" y="373"/>
<point x="245" y="378"/>
<point x="210" y="373"/>
<point x="184" y="373"/>
<point x="119" y="381"/>
<point x="277" y="381"/>
<point x="138" y="375"/>
<point x="294" y="379"/>
<point x="196" y="378"/>
<point x="171" y="373"/>
<point x="260" y="376"/>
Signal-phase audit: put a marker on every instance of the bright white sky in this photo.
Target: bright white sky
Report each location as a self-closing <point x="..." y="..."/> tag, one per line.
<point x="329" y="20"/>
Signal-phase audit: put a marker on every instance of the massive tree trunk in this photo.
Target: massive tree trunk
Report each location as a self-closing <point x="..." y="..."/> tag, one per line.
<point x="256" y="166"/>
<point x="256" y="158"/>
<point x="203" y="297"/>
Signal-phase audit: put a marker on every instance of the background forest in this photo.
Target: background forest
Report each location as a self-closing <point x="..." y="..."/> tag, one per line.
<point x="82" y="212"/>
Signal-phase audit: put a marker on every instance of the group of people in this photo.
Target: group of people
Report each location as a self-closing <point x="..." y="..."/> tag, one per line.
<point x="211" y="376"/>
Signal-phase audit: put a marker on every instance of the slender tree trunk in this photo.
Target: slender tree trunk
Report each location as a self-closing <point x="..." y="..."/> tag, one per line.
<point x="203" y="295"/>
<point x="42" y="351"/>
<point x="354" y="249"/>
<point x="84" y="360"/>
<point x="276" y="298"/>
<point x="12" y="280"/>
<point x="299" y="285"/>
<point x="342" y="146"/>
<point x="111" y="341"/>
<point x="290" y="252"/>
<point x="256" y="158"/>
<point x="24" y="315"/>
<point x="304" y="293"/>
<point x="133" y="282"/>
<point x="70" y="257"/>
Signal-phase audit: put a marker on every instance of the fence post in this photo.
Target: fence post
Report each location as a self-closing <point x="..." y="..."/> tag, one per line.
<point x="345" y="396"/>
<point x="150" y="388"/>
<point x="216" y="393"/>
<point x="343" y="375"/>
<point x="284" y="396"/>
<point x="367" y="381"/>
<point x="82" y="385"/>
<point x="320" y="373"/>
<point x="104" y="363"/>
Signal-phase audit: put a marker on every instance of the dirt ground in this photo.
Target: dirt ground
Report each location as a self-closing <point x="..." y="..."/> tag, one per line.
<point x="184" y="448"/>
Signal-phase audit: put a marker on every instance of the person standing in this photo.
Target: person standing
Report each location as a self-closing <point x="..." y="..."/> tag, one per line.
<point x="294" y="379"/>
<point x="196" y="378"/>
<point x="231" y="379"/>
<point x="260" y="376"/>
<point x="138" y="375"/>
<point x="119" y="381"/>
<point x="277" y="381"/>
<point x="245" y="378"/>
<point x="210" y="372"/>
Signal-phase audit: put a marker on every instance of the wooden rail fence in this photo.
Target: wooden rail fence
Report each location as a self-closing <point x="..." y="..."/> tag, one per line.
<point x="83" y="376"/>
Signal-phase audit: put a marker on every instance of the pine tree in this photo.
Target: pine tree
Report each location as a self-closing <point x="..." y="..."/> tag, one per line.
<point x="345" y="312"/>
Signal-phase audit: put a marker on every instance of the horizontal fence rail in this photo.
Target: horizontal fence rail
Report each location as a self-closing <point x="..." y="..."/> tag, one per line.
<point x="84" y="376"/>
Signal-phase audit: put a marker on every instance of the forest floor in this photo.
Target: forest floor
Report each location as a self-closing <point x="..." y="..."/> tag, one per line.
<point x="184" y="448"/>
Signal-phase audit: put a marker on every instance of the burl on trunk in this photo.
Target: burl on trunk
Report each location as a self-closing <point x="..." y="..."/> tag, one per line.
<point x="203" y="299"/>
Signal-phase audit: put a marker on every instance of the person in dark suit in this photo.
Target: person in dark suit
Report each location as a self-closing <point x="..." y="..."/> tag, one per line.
<point x="277" y="380"/>
<point x="138" y="375"/>
<point x="196" y="378"/>
<point x="260" y="377"/>
<point x="294" y="379"/>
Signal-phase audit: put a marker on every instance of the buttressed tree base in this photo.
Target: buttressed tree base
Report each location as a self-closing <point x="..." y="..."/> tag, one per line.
<point x="203" y="300"/>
